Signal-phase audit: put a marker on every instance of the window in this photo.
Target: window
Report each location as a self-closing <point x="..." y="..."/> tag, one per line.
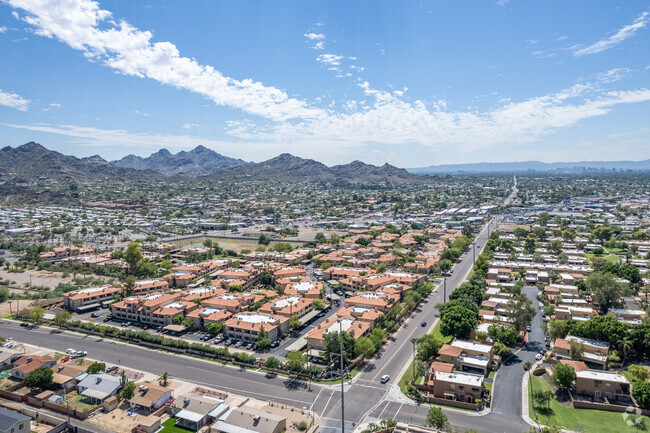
<point x="460" y="387"/>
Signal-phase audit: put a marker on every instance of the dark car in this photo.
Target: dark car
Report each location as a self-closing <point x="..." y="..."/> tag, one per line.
<point x="423" y="324"/>
<point x="94" y="315"/>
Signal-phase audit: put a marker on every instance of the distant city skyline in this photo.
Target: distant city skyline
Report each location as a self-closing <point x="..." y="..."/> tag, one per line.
<point x="411" y="85"/>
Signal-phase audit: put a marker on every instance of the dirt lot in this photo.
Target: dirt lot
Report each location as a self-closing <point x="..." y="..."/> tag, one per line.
<point x="34" y="278"/>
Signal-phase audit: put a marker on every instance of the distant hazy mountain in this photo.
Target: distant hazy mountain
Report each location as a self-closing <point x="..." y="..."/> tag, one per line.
<point x="196" y="162"/>
<point x="528" y="166"/>
<point x="293" y="168"/>
<point x="31" y="161"/>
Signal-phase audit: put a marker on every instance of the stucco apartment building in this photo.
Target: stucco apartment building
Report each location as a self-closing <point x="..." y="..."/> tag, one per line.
<point x="86" y="299"/>
<point x="307" y="289"/>
<point x="466" y="355"/>
<point x="595" y="352"/>
<point x="333" y="325"/>
<point x="164" y="315"/>
<point x="204" y="315"/>
<point x="233" y="302"/>
<point x="246" y="326"/>
<point x="458" y="386"/>
<point x="141" y="308"/>
<point x="146" y="286"/>
<point x="379" y="300"/>
<point x="288" y="306"/>
<point x="596" y="384"/>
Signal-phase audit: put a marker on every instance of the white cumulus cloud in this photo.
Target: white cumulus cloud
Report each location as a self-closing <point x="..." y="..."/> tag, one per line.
<point x="13" y="100"/>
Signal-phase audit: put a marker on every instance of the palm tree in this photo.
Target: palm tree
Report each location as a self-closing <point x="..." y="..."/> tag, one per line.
<point x="626" y="344"/>
<point x="164" y="378"/>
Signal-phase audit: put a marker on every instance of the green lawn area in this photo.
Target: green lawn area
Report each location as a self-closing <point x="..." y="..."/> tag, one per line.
<point x="436" y="332"/>
<point x="488" y="386"/>
<point x="612" y="258"/>
<point x="169" y="427"/>
<point x="567" y="417"/>
<point x="492" y="374"/>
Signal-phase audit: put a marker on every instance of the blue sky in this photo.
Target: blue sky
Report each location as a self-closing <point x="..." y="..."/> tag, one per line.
<point x="412" y="84"/>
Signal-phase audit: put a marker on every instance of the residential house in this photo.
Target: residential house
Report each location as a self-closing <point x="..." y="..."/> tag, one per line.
<point x="26" y="364"/>
<point x="149" y="397"/>
<point x="358" y="328"/>
<point x="458" y="386"/>
<point x="98" y="387"/>
<point x="288" y="306"/>
<point x="249" y="420"/>
<point x="195" y="411"/>
<point x="14" y="422"/>
<point x="598" y="384"/>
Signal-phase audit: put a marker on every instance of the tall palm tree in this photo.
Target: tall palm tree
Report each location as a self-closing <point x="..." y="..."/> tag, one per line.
<point x="164" y="379"/>
<point x="626" y="344"/>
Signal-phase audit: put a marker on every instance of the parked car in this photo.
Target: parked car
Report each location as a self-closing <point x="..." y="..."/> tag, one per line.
<point x="385" y="378"/>
<point x="423" y="324"/>
<point x="249" y="346"/>
<point x="94" y="315"/>
<point x="538" y="356"/>
<point x="71" y="351"/>
<point x="528" y="328"/>
<point x="228" y="342"/>
<point x="24" y="324"/>
<point x="275" y="344"/>
<point x="238" y="343"/>
<point x="111" y="368"/>
<point x="81" y="353"/>
<point x="218" y="340"/>
<point x="107" y="319"/>
<point x="8" y="345"/>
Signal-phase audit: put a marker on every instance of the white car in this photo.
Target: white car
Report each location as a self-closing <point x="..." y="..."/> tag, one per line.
<point x="8" y="345"/>
<point x="538" y="356"/>
<point x="71" y="351"/>
<point x="385" y="378"/>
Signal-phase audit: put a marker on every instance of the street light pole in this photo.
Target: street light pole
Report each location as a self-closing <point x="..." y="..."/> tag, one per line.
<point x="342" y="378"/>
<point x="444" y="289"/>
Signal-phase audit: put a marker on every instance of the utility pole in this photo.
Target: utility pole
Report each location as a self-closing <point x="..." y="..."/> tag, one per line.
<point x="444" y="289"/>
<point x="342" y="378"/>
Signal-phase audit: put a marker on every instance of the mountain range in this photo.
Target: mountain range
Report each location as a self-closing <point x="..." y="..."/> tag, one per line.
<point x="530" y="166"/>
<point x="196" y="162"/>
<point x="31" y="161"/>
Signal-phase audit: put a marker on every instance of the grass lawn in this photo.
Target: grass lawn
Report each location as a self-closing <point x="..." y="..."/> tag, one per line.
<point x="492" y="374"/>
<point x="488" y="386"/>
<point x="612" y="258"/>
<point x="568" y="417"/>
<point x="169" y="427"/>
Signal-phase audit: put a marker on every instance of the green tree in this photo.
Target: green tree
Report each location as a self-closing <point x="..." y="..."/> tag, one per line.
<point x="576" y="350"/>
<point x="520" y="233"/>
<point x="272" y="362"/>
<point x="530" y="244"/>
<point x="639" y="372"/>
<point x="128" y="286"/>
<point x="520" y="311"/>
<point x="436" y="418"/>
<point x="501" y="350"/>
<point x="319" y="304"/>
<point x="563" y="376"/>
<point x="4" y="293"/>
<point x="263" y="341"/>
<point x="263" y="239"/>
<point x="605" y="289"/>
<point x="164" y="379"/>
<point x="294" y="322"/>
<point x="641" y="393"/>
<point x="503" y="334"/>
<point x="468" y="291"/>
<point x="427" y="347"/>
<point x="557" y="329"/>
<point x="37" y="314"/>
<point x="602" y="233"/>
<point x="320" y="238"/>
<point x="364" y="347"/>
<point x="61" y="318"/>
<point x="555" y="246"/>
<point x="331" y="348"/>
<point x="458" y="321"/>
<point x="128" y="390"/>
<point x="133" y="256"/>
<point x="96" y="367"/>
<point x="569" y="234"/>
<point x="39" y="378"/>
<point x="296" y="360"/>
<point x="266" y="278"/>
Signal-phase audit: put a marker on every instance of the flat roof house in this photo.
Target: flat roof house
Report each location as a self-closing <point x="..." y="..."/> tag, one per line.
<point x="194" y="412"/>
<point x="458" y="386"/>
<point x="149" y="397"/>
<point x="598" y="384"/>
